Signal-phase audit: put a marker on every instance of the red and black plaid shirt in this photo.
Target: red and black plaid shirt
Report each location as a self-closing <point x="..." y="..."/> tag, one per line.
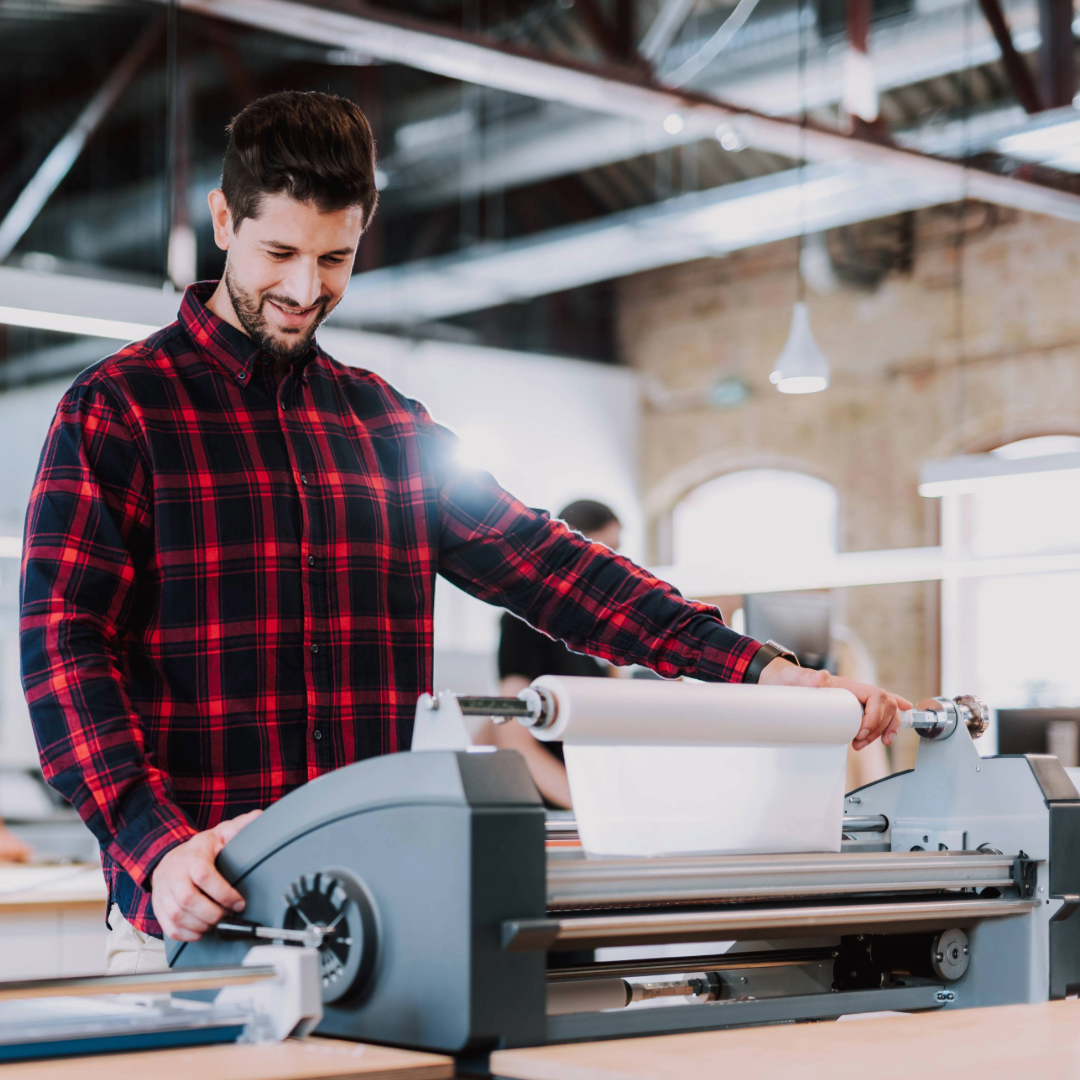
<point x="227" y="584"/>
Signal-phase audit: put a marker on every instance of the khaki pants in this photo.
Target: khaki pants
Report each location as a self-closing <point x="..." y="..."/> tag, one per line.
<point x="129" y="951"/>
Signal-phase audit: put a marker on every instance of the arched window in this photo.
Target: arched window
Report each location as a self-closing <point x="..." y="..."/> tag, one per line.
<point x="1012" y="638"/>
<point x="754" y="517"/>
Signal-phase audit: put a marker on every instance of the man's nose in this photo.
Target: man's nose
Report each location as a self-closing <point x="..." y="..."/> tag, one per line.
<point x="303" y="283"/>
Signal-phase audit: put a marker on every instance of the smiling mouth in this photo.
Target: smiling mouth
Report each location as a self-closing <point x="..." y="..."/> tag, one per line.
<point x="293" y="313"/>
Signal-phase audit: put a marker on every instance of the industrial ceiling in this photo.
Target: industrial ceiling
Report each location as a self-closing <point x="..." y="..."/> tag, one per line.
<point x="532" y="152"/>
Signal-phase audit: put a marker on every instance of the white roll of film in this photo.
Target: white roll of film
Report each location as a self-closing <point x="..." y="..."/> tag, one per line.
<point x="639" y="712"/>
<point x="660" y="768"/>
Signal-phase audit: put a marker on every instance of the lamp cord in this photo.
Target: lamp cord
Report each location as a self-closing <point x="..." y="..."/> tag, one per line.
<point x="800" y="284"/>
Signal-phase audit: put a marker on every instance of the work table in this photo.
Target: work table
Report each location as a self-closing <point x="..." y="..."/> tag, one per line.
<point x="991" y="1043"/>
<point x="311" y="1059"/>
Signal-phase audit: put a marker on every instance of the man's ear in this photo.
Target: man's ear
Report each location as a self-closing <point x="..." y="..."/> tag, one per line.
<point x="221" y="217"/>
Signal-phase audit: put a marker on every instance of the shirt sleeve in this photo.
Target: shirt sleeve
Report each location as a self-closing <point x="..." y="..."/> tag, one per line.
<point x="89" y="510"/>
<point x="583" y="593"/>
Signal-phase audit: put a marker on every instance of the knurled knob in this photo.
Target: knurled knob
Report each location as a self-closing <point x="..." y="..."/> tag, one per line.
<point x="974" y="712"/>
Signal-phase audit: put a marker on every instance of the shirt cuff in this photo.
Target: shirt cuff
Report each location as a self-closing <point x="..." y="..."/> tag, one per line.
<point x="146" y="839"/>
<point x="727" y="661"/>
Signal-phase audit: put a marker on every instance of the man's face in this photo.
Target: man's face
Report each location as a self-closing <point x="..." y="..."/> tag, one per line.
<point x="286" y="269"/>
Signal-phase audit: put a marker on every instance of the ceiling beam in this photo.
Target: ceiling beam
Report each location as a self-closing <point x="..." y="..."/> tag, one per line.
<point x="475" y="59"/>
<point x="1057" y="61"/>
<point x="703" y="224"/>
<point x="1019" y="75"/>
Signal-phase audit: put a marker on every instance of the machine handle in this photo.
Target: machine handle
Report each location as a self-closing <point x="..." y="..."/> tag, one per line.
<point x="937" y="718"/>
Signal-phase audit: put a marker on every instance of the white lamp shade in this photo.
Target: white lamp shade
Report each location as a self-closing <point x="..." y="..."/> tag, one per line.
<point x="801" y="367"/>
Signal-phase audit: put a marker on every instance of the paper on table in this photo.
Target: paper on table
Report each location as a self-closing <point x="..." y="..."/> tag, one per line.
<point x="674" y="768"/>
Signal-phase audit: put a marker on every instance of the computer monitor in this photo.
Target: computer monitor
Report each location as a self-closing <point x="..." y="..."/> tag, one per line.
<point x="1040" y="731"/>
<point x="797" y="620"/>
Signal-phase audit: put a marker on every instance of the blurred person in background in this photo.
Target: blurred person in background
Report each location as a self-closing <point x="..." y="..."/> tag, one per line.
<point x="526" y="654"/>
<point x="12" y="849"/>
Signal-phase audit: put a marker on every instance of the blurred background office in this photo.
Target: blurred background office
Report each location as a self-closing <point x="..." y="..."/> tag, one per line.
<point x="789" y="285"/>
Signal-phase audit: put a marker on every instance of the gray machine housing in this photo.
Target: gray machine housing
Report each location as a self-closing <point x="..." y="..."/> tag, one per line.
<point x="446" y="846"/>
<point x="450" y="849"/>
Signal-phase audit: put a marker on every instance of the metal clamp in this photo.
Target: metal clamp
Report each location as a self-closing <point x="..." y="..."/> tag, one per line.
<point x="1024" y="872"/>
<point x="938" y="718"/>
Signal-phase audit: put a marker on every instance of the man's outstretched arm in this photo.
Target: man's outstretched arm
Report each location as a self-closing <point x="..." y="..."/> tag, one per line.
<point x="598" y="602"/>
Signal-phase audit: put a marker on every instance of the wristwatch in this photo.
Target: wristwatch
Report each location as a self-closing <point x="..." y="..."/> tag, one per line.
<point x="765" y="656"/>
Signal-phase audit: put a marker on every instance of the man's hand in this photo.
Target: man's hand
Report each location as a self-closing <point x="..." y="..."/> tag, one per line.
<point x="189" y="894"/>
<point x="881" y="710"/>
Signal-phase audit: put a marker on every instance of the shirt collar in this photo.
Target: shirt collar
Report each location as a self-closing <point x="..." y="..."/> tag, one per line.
<point x="231" y="348"/>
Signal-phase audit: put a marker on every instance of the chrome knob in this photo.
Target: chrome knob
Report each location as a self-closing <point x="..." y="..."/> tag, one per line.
<point x="974" y="712"/>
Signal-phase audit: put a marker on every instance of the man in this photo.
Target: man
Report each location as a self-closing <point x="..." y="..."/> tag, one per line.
<point x="232" y="543"/>
<point x="525" y="654"/>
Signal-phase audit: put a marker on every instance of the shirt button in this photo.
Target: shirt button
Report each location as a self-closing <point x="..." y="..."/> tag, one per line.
<point x="315" y="647"/>
<point x="311" y="560"/>
<point x="316" y="734"/>
<point x="242" y="376"/>
<point x="303" y="478"/>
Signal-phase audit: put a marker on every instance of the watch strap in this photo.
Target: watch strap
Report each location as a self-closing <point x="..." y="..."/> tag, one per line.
<point x="764" y="657"/>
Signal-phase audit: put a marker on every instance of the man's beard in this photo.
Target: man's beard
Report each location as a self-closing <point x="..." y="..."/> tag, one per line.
<point x="250" y="313"/>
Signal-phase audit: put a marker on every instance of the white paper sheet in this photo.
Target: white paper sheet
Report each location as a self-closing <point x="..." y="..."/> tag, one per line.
<point x="675" y="768"/>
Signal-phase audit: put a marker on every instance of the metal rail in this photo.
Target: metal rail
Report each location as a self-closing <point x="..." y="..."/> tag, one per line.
<point x="679" y="965"/>
<point x="195" y="978"/>
<point x="738" y="922"/>
<point x="595" y="883"/>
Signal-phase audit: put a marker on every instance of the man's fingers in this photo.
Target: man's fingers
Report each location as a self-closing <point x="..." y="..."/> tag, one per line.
<point x="869" y="721"/>
<point x="195" y="909"/>
<point x="210" y="882"/>
<point x="881" y="717"/>
<point x="892" y="730"/>
<point x="226" y="830"/>
<point x="177" y="924"/>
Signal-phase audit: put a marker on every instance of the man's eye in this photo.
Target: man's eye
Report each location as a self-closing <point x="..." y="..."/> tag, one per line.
<point x="279" y="255"/>
<point x="333" y="260"/>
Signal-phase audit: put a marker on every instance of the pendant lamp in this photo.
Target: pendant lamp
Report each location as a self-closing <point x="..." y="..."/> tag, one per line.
<point x="801" y="367"/>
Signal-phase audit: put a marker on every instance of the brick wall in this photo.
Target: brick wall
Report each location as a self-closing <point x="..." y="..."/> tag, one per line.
<point x="903" y="390"/>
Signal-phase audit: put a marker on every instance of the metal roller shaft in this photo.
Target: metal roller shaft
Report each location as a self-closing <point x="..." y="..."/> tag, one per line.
<point x="209" y="978"/>
<point x="606" y="883"/>
<point x="741" y="923"/>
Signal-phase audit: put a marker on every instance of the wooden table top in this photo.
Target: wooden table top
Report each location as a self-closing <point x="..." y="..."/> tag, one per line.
<point x="992" y="1044"/>
<point x="309" y="1059"/>
<point x="33" y="887"/>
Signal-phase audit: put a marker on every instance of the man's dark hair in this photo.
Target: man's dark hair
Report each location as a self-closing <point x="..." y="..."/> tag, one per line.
<point x="316" y="148"/>
<point x="588" y="515"/>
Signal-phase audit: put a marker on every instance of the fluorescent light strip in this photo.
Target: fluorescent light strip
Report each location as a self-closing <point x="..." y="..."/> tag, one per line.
<point x="76" y="324"/>
<point x="971" y="472"/>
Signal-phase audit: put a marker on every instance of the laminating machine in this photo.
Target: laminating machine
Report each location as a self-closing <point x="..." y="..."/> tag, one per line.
<point x="452" y="915"/>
